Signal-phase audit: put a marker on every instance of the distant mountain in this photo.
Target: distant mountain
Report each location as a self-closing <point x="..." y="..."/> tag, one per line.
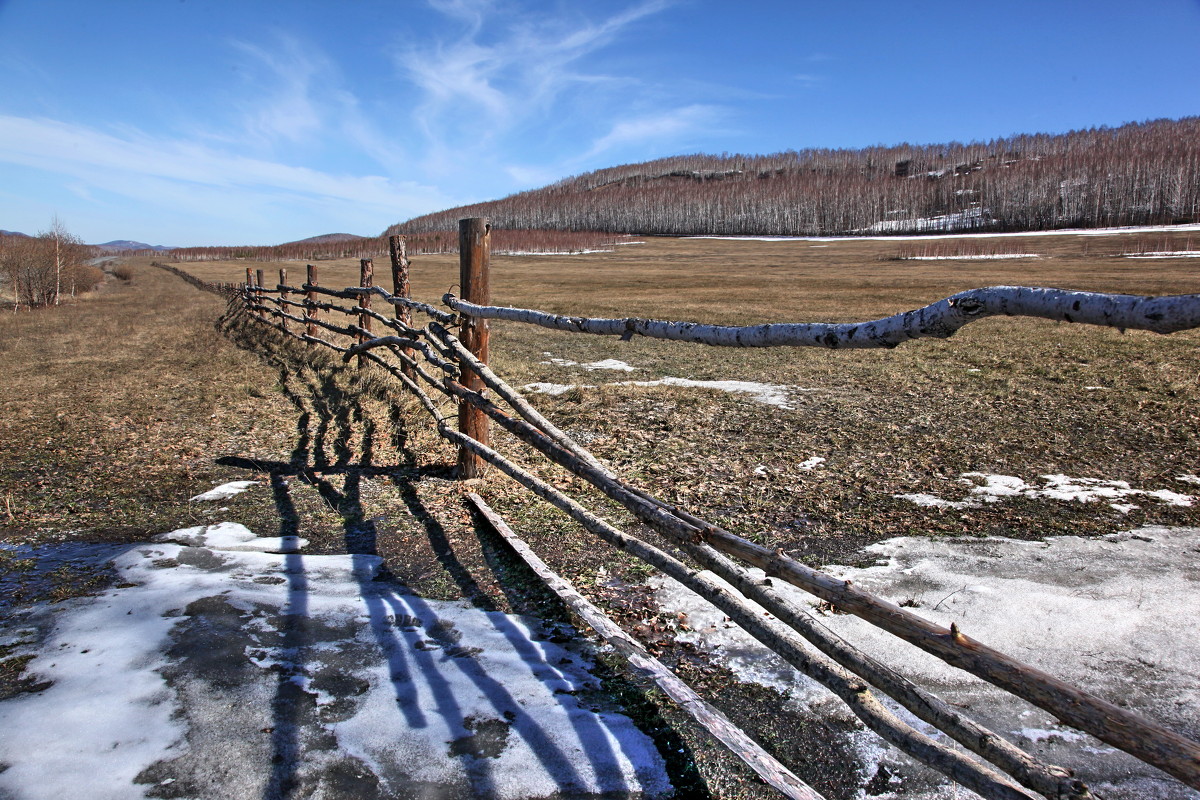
<point x="126" y="244"/>
<point x="326" y="238"/>
<point x="15" y="233"/>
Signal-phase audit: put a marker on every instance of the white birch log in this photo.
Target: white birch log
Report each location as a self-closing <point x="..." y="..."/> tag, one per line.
<point x="1166" y="314"/>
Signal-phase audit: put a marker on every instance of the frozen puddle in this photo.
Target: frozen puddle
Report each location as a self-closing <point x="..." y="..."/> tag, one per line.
<point x="221" y="668"/>
<point x="987" y="488"/>
<point x="1115" y="616"/>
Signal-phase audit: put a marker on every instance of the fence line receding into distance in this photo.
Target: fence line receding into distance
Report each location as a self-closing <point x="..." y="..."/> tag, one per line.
<point x="434" y="359"/>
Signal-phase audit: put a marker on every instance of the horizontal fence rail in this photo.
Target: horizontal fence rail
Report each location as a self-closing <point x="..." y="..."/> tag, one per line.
<point x="446" y="358"/>
<point x="939" y="320"/>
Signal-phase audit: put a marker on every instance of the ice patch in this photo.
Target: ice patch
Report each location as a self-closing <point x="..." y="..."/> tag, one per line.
<point x="226" y="490"/>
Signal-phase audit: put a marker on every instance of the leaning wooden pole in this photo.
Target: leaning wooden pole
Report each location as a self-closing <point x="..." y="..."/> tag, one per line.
<point x="766" y="766"/>
<point x="249" y="289"/>
<point x="474" y="262"/>
<point x="398" y="250"/>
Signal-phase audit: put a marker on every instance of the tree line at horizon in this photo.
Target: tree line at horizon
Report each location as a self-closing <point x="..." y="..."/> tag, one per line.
<point x="1136" y="174"/>
<point x="324" y="248"/>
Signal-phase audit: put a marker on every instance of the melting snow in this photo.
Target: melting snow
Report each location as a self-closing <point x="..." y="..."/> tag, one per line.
<point x="608" y="363"/>
<point x="227" y="671"/>
<point x="812" y="463"/>
<point x="1055" y="487"/>
<point x="766" y="393"/>
<point x="226" y="490"/>
<point x="979" y="257"/>
<point x="1110" y="615"/>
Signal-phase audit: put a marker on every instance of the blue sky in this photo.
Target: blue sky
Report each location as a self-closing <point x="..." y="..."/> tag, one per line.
<point x="189" y="122"/>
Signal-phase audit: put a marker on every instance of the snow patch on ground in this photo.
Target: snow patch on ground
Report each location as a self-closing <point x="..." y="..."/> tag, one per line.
<point x="987" y="488"/>
<point x="302" y="670"/>
<point x="225" y="490"/>
<point x="608" y="363"/>
<point x="766" y="393"/>
<point x="1108" y="615"/>
<point x="1166" y="254"/>
<point x="811" y="463"/>
<point x="996" y="257"/>
<point x="231" y="536"/>
<point x="963" y="235"/>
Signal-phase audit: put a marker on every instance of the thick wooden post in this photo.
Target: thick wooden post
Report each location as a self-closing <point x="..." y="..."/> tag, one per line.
<point x="474" y="263"/>
<point x="400" y="288"/>
<point x="249" y="288"/>
<point x="310" y="300"/>
<point x="283" y="295"/>
<point x="367" y="280"/>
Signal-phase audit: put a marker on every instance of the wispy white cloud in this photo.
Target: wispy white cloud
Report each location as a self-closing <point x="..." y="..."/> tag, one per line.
<point x="668" y="125"/>
<point x="282" y="105"/>
<point x="505" y="72"/>
<point x="174" y="173"/>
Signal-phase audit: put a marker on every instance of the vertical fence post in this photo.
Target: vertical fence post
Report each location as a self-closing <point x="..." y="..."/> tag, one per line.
<point x="310" y="301"/>
<point x="261" y="295"/>
<point x="474" y="262"/>
<point x="367" y="275"/>
<point x="283" y="295"/>
<point x="249" y="293"/>
<point x="399" y="252"/>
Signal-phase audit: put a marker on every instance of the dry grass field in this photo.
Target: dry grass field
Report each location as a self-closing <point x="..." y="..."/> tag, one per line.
<point x="1009" y="396"/>
<point x="121" y="406"/>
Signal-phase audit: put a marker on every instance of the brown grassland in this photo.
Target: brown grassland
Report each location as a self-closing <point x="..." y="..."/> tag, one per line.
<point x="121" y="406"/>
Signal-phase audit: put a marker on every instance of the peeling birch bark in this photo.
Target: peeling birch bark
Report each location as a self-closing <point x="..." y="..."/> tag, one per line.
<point x="1167" y="314"/>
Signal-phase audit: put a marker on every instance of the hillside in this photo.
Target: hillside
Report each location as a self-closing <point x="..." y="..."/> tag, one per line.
<point x="327" y="238"/>
<point x="1135" y="174"/>
<point x="119" y="245"/>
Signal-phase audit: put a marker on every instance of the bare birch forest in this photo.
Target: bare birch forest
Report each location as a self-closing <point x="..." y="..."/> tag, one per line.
<point x="1136" y="174"/>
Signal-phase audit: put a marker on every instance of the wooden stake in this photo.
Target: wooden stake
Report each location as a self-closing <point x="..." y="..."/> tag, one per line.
<point x="258" y="295"/>
<point x="283" y="295"/>
<point x="474" y="262"/>
<point x="400" y="288"/>
<point x="310" y="300"/>
<point x="367" y="280"/>
<point x="249" y="288"/>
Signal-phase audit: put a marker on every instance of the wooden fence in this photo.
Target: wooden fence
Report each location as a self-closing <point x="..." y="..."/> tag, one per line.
<point x="449" y="355"/>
